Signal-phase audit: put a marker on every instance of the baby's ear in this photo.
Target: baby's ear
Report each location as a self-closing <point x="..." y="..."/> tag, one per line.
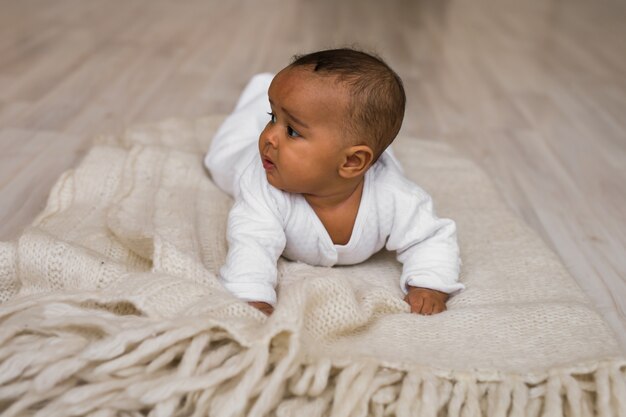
<point x="357" y="160"/>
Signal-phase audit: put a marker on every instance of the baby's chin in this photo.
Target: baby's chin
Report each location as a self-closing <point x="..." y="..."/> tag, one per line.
<point x="281" y="186"/>
<point x="273" y="182"/>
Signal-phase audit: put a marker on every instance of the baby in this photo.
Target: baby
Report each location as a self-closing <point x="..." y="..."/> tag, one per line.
<point x="322" y="186"/>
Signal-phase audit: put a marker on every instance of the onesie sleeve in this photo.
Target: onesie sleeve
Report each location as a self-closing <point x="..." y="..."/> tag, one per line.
<point x="256" y="239"/>
<point x="425" y="244"/>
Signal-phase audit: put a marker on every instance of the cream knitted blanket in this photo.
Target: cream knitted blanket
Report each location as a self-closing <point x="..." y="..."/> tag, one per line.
<point x="111" y="307"/>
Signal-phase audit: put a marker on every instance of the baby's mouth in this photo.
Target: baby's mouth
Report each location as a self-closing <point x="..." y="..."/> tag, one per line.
<point x="268" y="164"/>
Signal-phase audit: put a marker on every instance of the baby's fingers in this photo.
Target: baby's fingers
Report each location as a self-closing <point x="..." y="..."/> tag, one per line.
<point x="265" y="308"/>
<point x="427" y="308"/>
<point x="416" y="303"/>
<point x="439" y="308"/>
<point x="432" y="307"/>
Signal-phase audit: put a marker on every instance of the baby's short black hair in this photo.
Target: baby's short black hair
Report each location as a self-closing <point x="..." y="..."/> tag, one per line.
<point x="378" y="98"/>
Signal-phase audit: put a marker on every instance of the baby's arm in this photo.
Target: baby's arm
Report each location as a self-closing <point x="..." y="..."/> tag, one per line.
<point x="427" y="247"/>
<point x="256" y="240"/>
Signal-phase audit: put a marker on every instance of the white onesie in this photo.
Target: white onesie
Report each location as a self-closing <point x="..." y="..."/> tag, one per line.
<point x="266" y="222"/>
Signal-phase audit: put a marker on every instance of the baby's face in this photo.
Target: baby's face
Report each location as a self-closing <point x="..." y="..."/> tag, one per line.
<point x="301" y="146"/>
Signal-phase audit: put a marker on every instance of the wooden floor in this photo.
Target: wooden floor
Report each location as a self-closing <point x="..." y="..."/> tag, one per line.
<point x="534" y="91"/>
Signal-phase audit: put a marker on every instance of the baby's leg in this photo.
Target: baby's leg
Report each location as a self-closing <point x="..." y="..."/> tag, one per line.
<point x="390" y="156"/>
<point x="239" y="133"/>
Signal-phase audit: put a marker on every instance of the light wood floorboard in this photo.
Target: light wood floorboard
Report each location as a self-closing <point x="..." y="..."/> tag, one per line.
<point x="534" y="91"/>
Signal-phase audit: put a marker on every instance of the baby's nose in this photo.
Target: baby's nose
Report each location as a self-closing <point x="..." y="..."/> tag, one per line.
<point x="270" y="139"/>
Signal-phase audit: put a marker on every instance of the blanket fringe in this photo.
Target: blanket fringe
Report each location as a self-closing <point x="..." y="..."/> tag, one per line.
<point x="62" y="364"/>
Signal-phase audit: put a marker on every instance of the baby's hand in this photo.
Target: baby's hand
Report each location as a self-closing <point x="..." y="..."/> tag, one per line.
<point x="426" y="301"/>
<point x="262" y="306"/>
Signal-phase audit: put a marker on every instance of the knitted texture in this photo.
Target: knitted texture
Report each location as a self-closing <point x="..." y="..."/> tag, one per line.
<point x="111" y="306"/>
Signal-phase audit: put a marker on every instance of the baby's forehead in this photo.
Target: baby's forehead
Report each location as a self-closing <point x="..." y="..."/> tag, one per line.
<point x="305" y="75"/>
<point x="326" y="88"/>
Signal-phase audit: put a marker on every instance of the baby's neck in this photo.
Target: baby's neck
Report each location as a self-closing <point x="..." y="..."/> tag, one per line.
<point x="337" y="197"/>
<point x="338" y="211"/>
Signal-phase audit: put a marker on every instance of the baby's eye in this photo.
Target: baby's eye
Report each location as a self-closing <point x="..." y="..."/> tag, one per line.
<point x="292" y="132"/>
<point x="272" y="117"/>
